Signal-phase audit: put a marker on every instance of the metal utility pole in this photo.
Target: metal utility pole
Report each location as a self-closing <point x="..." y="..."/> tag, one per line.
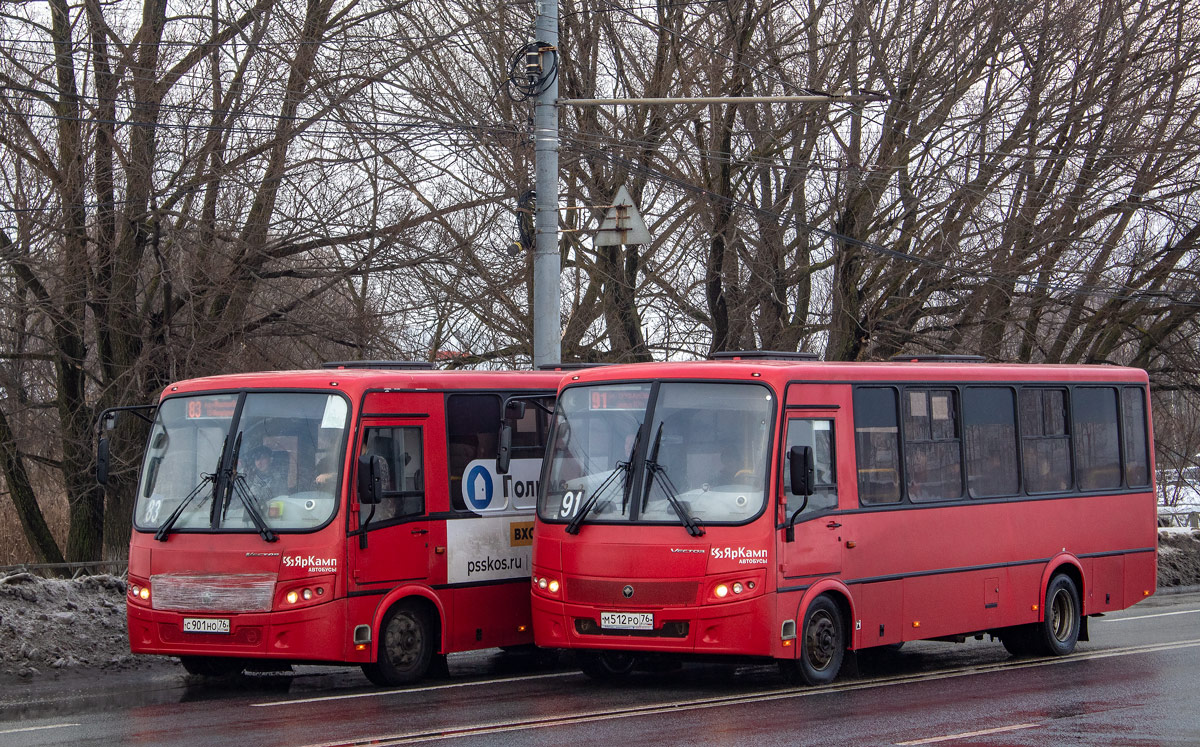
<point x="547" y="265"/>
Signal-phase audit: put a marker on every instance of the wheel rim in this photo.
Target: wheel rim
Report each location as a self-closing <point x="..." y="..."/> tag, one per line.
<point x="1062" y="614"/>
<point x="820" y="640"/>
<point x="404" y="641"/>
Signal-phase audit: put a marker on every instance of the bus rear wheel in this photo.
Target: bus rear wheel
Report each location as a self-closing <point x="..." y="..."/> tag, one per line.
<point x="406" y="647"/>
<point x="822" y="645"/>
<point x="606" y="666"/>
<point x="1058" y="632"/>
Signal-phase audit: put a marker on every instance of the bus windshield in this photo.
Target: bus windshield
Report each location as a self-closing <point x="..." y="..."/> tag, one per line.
<point x="285" y="448"/>
<point x="666" y="452"/>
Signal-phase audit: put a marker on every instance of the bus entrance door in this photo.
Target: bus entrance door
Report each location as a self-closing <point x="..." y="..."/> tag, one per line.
<point x="816" y="547"/>
<point x="396" y="546"/>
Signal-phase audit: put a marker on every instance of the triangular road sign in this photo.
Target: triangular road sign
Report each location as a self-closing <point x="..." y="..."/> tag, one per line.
<point x="622" y="223"/>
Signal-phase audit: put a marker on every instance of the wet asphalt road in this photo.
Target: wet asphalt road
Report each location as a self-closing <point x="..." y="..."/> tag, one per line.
<point x="1137" y="682"/>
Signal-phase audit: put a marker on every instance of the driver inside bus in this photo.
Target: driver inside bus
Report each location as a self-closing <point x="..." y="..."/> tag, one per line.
<point x="260" y="478"/>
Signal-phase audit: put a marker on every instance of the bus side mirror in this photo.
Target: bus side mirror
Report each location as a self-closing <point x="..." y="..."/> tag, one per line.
<point x="102" y="461"/>
<point x="803" y="472"/>
<point x="504" y="455"/>
<point x="372" y="473"/>
<point x="514" y="409"/>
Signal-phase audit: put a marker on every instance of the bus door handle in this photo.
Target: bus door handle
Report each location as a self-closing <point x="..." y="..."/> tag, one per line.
<point x="420" y="531"/>
<point x="833" y="525"/>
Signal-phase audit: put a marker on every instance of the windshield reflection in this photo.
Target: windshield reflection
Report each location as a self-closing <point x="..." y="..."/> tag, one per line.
<point x="701" y="458"/>
<point x="283" y="474"/>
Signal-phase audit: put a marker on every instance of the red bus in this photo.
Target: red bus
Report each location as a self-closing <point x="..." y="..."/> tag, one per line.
<point x="348" y="515"/>
<point x="793" y="509"/>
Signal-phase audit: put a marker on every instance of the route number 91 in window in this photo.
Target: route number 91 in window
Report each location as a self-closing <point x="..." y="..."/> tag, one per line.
<point x="571" y="501"/>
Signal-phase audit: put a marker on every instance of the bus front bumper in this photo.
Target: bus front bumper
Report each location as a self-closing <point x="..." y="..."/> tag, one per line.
<point x="317" y="633"/>
<point x="739" y="628"/>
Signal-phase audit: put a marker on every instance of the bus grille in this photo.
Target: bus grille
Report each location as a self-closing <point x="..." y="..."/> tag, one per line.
<point x="244" y="592"/>
<point x="611" y="593"/>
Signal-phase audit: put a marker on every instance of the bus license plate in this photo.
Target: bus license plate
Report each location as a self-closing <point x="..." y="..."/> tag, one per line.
<point x="205" y="625"/>
<point x="627" y="620"/>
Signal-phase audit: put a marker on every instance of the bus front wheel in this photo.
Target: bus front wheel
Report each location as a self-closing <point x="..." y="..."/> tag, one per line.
<point x="822" y="645"/>
<point x="406" y="647"/>
<point x="605" y="666"/>
<point x="211" y="666"/>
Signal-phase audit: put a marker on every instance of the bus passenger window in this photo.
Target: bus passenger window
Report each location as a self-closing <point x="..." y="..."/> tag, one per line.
<point x="990" y="433"/>
<point x="1137" y="459"/>
<point x="1097" y="444"/>
<point x="877" y="445"/>
<point x="472" y="422"/>
<point x="1045" y="442"/>
<point x="932" y="450"/>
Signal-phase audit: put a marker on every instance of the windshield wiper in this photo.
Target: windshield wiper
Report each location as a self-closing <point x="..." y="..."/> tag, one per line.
<point x="659" y="475"/>
<point x="238" y="485"/>
<point x="626" y="467"/>
<point x="165" y="529"/>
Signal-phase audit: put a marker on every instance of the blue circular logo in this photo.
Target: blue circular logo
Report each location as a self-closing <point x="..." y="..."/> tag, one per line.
<point x="479" y="472"/>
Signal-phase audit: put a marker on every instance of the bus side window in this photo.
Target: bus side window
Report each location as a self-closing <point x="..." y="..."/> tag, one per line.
<point x="1045" y="440"/>
<point x="877" y="445"/>
<point x="404" y="481"/>
<point x="990" y="433"/>
<point x="472" y="422"/>
<point x="819" y="434"/>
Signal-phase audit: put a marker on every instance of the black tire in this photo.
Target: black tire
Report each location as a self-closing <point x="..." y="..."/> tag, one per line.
<point x="1016" y="640"/>
<point x="606" y="666"/>
<point x="1058" y="632"/>
<point x="406" y="647"/>
<point x="822" y="645"/>
<point x="211" y="666"/>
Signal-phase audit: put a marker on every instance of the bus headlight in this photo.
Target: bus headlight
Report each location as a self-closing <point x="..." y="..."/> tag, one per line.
<point x="547" y="584"/>
<point x="139" y="592"/>
<point x="303" y="593"/>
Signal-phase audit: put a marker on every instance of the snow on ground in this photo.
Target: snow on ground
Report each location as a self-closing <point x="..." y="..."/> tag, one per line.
<point x="56" y="627"/>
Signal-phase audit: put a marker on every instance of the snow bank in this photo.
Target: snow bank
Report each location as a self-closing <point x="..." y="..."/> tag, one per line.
<point x="53" y="624"/>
